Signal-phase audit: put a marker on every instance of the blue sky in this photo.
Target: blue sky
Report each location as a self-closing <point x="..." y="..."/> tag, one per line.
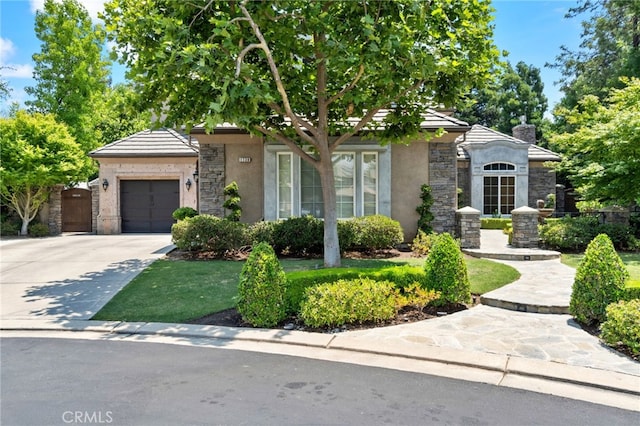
<point x="531" y="30"/>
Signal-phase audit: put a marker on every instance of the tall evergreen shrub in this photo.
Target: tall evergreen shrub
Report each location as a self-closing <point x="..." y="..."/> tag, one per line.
<point x="599" y="281"/>
<point x="424" y="209"/>
<point x="446" y="271"/>
<point x="262" y="288"/>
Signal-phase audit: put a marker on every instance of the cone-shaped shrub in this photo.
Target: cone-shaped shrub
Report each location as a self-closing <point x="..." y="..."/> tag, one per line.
<point x="599" y="281"/>
<point x="262" y="288"/>
<point x="446" y="271"/>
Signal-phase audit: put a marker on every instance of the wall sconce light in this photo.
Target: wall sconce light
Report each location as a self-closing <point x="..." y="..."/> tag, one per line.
<point x="196" y="175"/>
<point x="105" y="184"/>
<point x="244" y="159"/>
<point x="188" y="184"/>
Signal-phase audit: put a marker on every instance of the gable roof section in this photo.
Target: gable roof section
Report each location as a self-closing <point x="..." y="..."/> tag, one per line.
<point x="483" y="135"/>
<point x="432" y="120"/>
<point x="150" y="143"/>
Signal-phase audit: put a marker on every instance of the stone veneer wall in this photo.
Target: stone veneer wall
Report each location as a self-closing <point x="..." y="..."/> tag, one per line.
<point x="464" y="183"/>
<point x="542" y="181"/>
<point x="212" y="179"/>
<point x="524" y="221"/>
<point x="55" y="210"/>
<point x="468" y="227"/>
<point x="442" y="179"/>
<point x="95" y="204"/>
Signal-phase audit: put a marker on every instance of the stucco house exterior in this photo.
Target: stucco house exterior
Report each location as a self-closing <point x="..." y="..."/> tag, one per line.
<point x="146" y="176"/>
<point x="498" y="173"/>
<point x="274" y="183"/>
<point x="143" y="178"/>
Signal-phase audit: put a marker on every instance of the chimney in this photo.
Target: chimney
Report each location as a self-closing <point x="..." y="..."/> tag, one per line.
<point x="525" y="132"/>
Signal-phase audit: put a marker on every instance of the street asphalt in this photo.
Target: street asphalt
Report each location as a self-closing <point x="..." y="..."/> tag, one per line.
<point x="53" y="286"/>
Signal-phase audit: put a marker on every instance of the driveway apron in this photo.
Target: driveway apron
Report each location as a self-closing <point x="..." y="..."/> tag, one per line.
<point x="71" y="276"/>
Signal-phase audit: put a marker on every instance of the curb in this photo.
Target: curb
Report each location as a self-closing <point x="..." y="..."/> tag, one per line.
<point x="497" y="363"/>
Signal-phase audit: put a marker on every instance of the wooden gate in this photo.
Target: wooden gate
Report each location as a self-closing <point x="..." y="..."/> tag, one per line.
<point x="76" y="210"/>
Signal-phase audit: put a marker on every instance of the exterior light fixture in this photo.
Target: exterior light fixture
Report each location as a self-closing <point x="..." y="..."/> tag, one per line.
<point x="105" y="184"/>
<point x="196" y="175"/>
<point x="188" y="184"/>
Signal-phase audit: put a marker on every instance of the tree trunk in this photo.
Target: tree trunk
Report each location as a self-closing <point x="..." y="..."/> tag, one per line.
<point x="331" y="243"/>
<point x="24" y="230"/>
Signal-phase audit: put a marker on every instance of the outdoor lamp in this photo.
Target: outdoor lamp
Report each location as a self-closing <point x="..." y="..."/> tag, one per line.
<point x="105" y="184"/>
<point x="195" y="175"/>
<point x="188" y="184"/>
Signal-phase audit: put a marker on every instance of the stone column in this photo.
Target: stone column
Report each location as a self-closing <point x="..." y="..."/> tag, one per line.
<point x="525" y="227"/>
<point x="55" y="210"/>
<point x="442" y="179"/>
<point x="95" y="204"/>
<point x="468" y="227"/>
<point x="212" y="179"/>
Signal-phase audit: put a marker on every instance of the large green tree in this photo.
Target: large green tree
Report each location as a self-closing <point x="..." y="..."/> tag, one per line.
<point x="602" y="153"/>
<point x="609" y="49"/>
<point x="70" y="71"/>
<point x="119" y="114"/>
<point x="309" y="74"/>
<point x="513" y="93"/>
<point x="37" y="153"/>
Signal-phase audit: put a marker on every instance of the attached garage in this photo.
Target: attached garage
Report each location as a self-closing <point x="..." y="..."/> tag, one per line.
<point x="147" y="205"/>
<point x="143" y="179"/>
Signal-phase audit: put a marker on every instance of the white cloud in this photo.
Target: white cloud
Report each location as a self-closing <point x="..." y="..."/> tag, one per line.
<point x="92" y="6"/>
<point x="7" y="49"/>
<point x="17" y="70"/>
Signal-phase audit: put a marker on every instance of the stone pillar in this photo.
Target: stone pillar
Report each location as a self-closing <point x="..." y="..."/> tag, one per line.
<point x="442" y="179"/>
<point x="525" y="227"/>
<point x="95" y="204"/>
<point x="468" y="227"/>
<point x="55" y="210"/>
<point x="211" y="181"/>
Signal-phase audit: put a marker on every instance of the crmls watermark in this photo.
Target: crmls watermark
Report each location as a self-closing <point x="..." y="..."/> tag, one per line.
<point x="87" y="417"/>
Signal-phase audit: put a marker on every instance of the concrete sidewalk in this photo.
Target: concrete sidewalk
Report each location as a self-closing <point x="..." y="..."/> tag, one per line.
<point x="517" y="346"/>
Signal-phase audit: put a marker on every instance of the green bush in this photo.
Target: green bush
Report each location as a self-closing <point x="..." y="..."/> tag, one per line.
<point x="182" y="213"/>
<point x="298" y="281"/>
<point x="299" y="236"/>
<point x="599" y="281"/>
<point x="421" y="244"/>
<point x="494" y="223"/>
<point x="424" y="210"/>
<point x="262" y="288"/>
<point x="347" y="234"/>
<point x="377" y="232"/>
<point x="9" y="227"/>
<point x="261" y="232"/>
<point x="38" y="229"/>
<point x="232" y="202"/>
<point x="348" y="301"/>
<point x="446" y="271"/>
<point x="632" y="290"/>
<point x="416" y="296"/>
<point x="209" y="233"/>
<point x="575" y="233"/>
<point x="622" y="325"/>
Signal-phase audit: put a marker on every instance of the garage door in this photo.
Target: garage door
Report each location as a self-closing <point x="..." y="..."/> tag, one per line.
<point x="147" y="205"/>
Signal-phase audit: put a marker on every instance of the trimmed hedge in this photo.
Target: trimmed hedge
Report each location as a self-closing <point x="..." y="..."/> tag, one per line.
<point x="348" y="301"/>
<point x="599" y="281"/>
<point x="377" y="232"/>
<point x="494" y="223"/>
<point x="209" y="233"/>
<point x="622" y="325"/>
<point x="446" y="271"/>
<point x="575" y="233"/>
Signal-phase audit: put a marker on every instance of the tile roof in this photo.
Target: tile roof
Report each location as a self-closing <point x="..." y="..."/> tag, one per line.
<point x="432" y="120"/>
<point x="150" y="143"/>
<point x="482" y="135"/>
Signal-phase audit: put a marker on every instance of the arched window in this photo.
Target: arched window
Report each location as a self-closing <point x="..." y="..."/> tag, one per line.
<point x="495" y="167"/>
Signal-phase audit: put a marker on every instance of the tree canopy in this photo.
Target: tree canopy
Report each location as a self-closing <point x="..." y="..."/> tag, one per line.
<point x="512" y="94"/>
<point x="602" y="154"/>
<point x="37" y="153"/>
<point x="302" y="72"/>
<point x="70" y="72"/>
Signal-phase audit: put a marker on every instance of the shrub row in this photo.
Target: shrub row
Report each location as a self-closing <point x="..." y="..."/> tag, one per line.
<point x="297" y="236"/>
<point x="575" y="233"/>
<point x="337" y="296"/>
<point x="494" y="223"/>
<point x="622" y="326"/>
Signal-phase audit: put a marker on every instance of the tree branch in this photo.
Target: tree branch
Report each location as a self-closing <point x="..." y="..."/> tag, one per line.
<point x="347" y="88"/>
<point x="291" y="144"/>
<point x="295" y="120"/>
<point x="244" y="52"/>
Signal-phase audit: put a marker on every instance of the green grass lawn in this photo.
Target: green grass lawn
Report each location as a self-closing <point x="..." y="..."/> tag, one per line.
<point x="180" y="290"/>
<point x="630" y="260"/>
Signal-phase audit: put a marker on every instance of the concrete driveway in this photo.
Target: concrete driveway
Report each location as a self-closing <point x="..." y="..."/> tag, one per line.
<point x="71" y="276"/>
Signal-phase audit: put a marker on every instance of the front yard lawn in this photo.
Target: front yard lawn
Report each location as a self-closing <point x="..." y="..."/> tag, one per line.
<point x="630" y="260"/>
<point x="177" y="291"/>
